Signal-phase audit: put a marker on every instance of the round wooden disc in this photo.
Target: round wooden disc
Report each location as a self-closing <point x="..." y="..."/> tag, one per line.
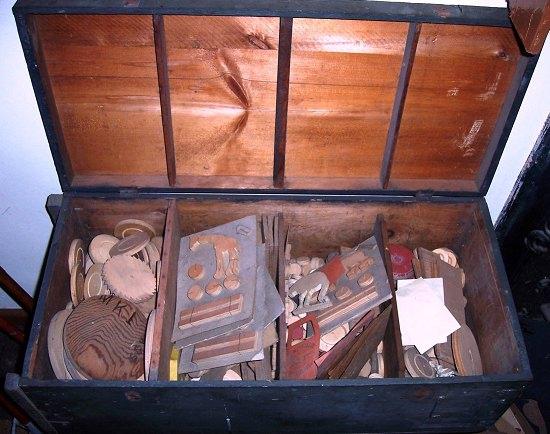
<point x="100" y="247"/>
<point x="342" y="293"/>
<point x="213" y="288"/>
<point x="466" y="352"/>
<point x="231" y="283"/>
<point x="88" y="263"/>
<point x="231" y="375"/>
<point x="74" y="373"/>
<point x="55" y="344"/>
<point x="157" y="241"/>
<point x="149" y="342"/>
<point x="417" y="364"/>
<point x="195" y="293"/>
<point x="147" y="306"/>
<point x="154" y="255"/>
<point x="332" y="338"/>
<point x="130" y="245"/>
<point x="76" y="253"/>
<point x="104" y="338"/>
<point x="77" y="283"/>
<point x="365" y="280"/>
<point x="196" y="271"/>
<point x="94" y="284"/>
<point x="129" y="278"/>
<point x="447" y="255"/>
<point x="128" y="227"/>
<point x="303" y="260"/>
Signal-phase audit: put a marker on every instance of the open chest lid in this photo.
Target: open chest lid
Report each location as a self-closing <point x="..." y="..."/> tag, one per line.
<point x="362" y="102"/>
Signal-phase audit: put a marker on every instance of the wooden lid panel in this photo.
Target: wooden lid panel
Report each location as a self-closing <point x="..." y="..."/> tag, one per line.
<point x="343" y="78"/>
<point x="101" y="73"/>
<point x="223" y="81"/>
<point x="460" y="78"/>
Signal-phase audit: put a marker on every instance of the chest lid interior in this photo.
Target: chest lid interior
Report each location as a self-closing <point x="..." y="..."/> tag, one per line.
<point x="183" y="102"/>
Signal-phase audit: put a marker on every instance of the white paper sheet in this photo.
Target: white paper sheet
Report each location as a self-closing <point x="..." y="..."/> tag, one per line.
<point x="423" y="318"/>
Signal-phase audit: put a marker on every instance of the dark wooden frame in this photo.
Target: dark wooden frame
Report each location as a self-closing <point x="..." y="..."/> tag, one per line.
<point x="415" y="14"/>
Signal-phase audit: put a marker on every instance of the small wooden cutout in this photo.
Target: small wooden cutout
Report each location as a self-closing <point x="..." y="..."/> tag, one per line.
<point x="214" y="288"/>
<point x="365" y="280"/>
<point x="94" y="284"/>
<point x="342" y="293"/>
<point x="231" y="283"/>
<point x="195" y="293"/>
<point x="129" y="278"/>
<point x="76" y="253"/>
<point x="104" y="338"/>
<point x="130" y="245"/>
<point x="196" y="271"/>
<point x="100" y="247"/>
<point x="129" y="227"/>
<point x="226" y="250"/>
<point x="447" y="255"/>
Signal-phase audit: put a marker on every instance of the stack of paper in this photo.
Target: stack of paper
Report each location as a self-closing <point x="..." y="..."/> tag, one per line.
<point x="423" y="318"/>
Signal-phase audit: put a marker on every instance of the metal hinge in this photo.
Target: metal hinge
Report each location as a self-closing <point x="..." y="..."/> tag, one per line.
<point x="424" y="194"/>
<point x="129" y="192"/>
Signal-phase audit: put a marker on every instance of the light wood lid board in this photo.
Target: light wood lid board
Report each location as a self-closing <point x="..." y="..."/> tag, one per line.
<point x="130" y="245"/>
<point x="129" y="227"/>
<point x="77" y="283"/>
<point x="104" y="338"/>
<point x="100" y="247"/>
<point x="94" y="283"/>
<point x="129" y="278"/>
<point x="76" y="253"/>
<point x="55" y="344"/>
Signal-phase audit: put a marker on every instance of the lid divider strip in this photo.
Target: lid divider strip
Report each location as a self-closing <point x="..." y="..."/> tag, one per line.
<point x="399" y="102"/>
<point x="164" y="95"/>
<point x="281" y="105"/>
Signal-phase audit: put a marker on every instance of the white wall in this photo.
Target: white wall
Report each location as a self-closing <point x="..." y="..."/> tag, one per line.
<point x="27" y="173"/>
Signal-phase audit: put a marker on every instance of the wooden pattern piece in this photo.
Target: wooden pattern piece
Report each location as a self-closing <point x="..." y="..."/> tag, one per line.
<point x="55" y="344"/>
<point x="212" y="311"/>
<point x="130" y="245"/>
<point x="466" y="352"/>
<point x="94" y="283"/>
<point x="300" y="356"/>
<point x="195" y="293"/>
<point x="104" y="338"/>
<point x="77" y="283"/>
<point x="76" y="253"/>
<point x="213" y="288"/>
<point x="129" y="227"/>
<point x="196" y="271"/>
<point x="149" y="332"/>
<point x="417" y="364"/>
<point x="129" y="278"/>
<point x="100" y="247"/>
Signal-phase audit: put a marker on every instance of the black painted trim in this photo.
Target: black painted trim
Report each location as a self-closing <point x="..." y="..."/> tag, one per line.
<point x="346" y="9"/>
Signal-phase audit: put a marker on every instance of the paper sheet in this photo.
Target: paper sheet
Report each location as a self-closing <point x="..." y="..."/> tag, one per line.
<point x="424" y="319"/>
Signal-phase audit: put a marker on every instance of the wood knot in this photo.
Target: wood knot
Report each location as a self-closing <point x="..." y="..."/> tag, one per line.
<point x="259" y="41"/>
<point x="501" y="54"/>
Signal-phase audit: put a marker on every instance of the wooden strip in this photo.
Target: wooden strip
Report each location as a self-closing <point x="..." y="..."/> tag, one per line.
<point x="399" y="102"/>
<point x="14" y="290"/>
<point x="164" y="94"/>
<point x="281" y="108"/>
<point x="213" y="311"/>
<point x="281" y="321"/>
<point x="166" y="297"/>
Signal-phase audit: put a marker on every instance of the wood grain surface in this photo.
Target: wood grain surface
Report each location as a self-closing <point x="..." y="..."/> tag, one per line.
<point x="343" y="78"/>
<point x="459" y="80"/>
<point x="104" y="338"/>
<point x="103" y="78"/>
<point x="223" y="73"/>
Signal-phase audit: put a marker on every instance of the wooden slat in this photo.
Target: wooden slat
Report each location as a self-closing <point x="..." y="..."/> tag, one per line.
<point x="343" y="80"/>
<point x="281" y="111"/>
<point x="14" y="290"/>
<point x="458" y="84"/>
<point x="223" y="73"/>
<point x="164" y="93"/>
<point x="399" y="102"/>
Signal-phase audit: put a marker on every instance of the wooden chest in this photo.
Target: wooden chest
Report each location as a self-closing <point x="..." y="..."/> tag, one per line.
<point x="191" y="114"/>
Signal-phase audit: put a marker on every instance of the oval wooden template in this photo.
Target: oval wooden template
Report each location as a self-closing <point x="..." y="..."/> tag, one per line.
<point x="100" y="247"/>
<point x="129" y="227"/>
<point x="94" y="283"/>
<point x="104" y="338"/>
<point x="76" y="253"/>
<point x="130" y="245"/>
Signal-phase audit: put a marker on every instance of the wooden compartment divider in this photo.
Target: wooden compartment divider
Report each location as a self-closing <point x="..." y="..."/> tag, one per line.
<point x="399" y="101"/>
<point x="280" y="283"/>
<point x="281" y="105"/>
<point x="164" y="94"/>
<point x="166" y="297"/>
